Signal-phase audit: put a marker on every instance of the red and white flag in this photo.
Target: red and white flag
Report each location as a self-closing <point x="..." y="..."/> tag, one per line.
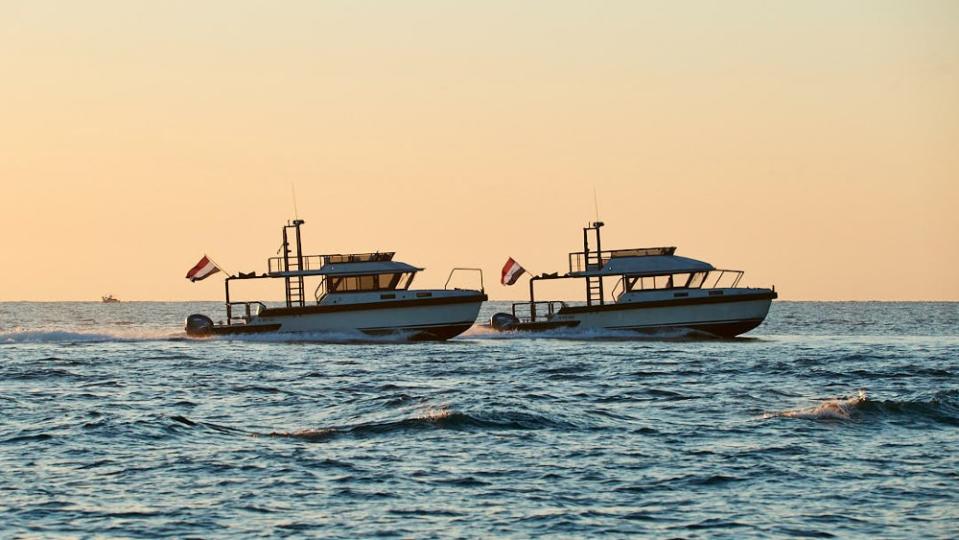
<point x="203" y="269"/>
<point x="511" y="272"/>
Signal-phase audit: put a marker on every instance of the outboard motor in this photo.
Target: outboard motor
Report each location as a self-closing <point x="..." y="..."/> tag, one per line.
<point x="199" y="325"/>
<point x="503" y="322"/>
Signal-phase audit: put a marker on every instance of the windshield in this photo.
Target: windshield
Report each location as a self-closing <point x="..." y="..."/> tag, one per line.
<point x="696" y="280"/>
<point x="667" y="281"/>
<point x="365" y="283"/>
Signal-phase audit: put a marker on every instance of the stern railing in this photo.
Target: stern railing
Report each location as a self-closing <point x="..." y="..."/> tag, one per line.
<point x="247" y="311"/>
<point x="528" y="310"/>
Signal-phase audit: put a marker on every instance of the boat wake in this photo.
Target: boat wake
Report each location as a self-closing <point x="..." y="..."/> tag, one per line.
<point x="940" y="407"/>
<point x="575" y="334"/>
<point x="20" y="335"/>
<point x="345" y="336"/>
<point x="127" y="334"/>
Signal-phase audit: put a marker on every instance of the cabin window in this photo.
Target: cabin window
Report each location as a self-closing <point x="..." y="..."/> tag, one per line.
<point x="696" y="281"/>
<point x="388" y="281"/>
<point x="384" y="281"/>
<point x="371" y="282"/>
<point x="366" y="283"/>
<point x="668" y="281"/>
<point x="342" y="284"/>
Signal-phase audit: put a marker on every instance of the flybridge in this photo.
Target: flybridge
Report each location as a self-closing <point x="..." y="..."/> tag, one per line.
<point x="311" y="264"/>
<point x="578" y="259"/>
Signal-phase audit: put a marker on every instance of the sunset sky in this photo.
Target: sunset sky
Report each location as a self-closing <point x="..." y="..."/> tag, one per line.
<point x="814" y="144"/>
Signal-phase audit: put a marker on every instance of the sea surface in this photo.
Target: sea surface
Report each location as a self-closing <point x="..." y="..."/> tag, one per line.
<point x="829" y="420"/>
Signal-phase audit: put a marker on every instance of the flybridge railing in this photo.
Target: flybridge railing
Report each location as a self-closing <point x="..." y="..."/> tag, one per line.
<point x="580" y="261"/>
<point x="310" y="262"/>
<point x="315" y="262"/>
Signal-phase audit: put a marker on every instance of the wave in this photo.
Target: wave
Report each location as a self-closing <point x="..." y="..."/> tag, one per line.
<point x="432" y="418"/>
<point x="940" y="407"/>
<point x="440" y="419"/>
<point x="832" y="409"/>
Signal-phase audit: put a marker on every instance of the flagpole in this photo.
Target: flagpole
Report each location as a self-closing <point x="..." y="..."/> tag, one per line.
<point x="227" y="272"/>
<point x="525" y="270"/>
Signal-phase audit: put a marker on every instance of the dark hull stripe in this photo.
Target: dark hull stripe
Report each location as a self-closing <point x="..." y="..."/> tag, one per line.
<point x="391" y="304"/>
<point x="670" y="303"/>
<point x="244" y="329"/>
<point x="405" y="328"/>
<point x="432" y="332"/>
<point x="440" y="332"/>
<point x="544" y="325"/>
<point x="726" y="329"/>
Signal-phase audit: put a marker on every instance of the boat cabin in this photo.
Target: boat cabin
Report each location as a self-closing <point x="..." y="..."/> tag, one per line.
<point x="355" y="292"/>
<point x="344" y="277"/>
<point x="626" y="273"/>
<point x="362" y="272"/>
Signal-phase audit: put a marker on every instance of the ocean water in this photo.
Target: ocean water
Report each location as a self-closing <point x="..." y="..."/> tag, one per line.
<point x="829" y="420"/>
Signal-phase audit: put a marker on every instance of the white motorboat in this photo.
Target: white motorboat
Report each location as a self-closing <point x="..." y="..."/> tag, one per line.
<point x="359" y="292"/>
<point x="652" y="290"/>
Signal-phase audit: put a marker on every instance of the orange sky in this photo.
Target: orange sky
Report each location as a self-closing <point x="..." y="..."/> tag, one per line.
<point x="813" y="144"/>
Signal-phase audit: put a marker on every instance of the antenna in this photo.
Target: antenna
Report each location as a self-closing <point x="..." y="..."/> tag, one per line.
<point x="296" y="213"/>
<point x="595" y="203"/>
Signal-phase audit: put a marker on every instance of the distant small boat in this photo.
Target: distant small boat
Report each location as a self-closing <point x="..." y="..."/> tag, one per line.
<point x="109" y="299"/>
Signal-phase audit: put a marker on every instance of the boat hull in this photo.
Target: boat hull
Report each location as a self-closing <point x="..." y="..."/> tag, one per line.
<point x="726" y="315"/>
<point x="427" y="319"/>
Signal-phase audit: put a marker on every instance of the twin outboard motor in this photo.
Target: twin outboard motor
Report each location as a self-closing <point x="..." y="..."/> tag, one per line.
<point x="199" y="325"/>
<point x="503" y="321"/>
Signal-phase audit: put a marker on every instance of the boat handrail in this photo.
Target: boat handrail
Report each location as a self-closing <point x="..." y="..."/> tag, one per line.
<point x="552" y="307"/>
<point x="465" y="269"/>
<point x="277" y="265"/>
<point x="620" y="284"/>
<point x="248" y="312"/>
<point x="720" y="273"/>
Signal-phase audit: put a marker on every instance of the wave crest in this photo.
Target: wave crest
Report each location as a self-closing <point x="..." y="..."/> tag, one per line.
<point x="832" y="409"/>
<point x="940" y="407"/>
